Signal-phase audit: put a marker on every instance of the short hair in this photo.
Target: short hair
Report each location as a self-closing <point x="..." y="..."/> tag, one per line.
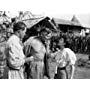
<point x="19" y="26"/>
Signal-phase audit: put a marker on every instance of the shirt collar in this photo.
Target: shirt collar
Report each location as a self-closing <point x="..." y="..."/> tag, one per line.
<point x="18" y="39"/>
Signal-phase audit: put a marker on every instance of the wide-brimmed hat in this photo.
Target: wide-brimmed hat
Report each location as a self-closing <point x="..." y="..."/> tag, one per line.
<point x="61" y="42"/>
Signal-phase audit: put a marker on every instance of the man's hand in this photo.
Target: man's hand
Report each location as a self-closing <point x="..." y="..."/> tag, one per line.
<point x="29" y="59"/>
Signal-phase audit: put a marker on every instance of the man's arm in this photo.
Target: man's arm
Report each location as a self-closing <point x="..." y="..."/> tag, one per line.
<point x="28" y="59"/>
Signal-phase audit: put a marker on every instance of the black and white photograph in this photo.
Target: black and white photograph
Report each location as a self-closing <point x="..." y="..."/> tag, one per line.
<point x="41" y="47"/>
<point x="44" y="44"/>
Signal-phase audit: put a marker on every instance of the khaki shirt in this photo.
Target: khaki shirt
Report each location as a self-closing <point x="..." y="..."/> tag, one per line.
<point x="37" y="48"/>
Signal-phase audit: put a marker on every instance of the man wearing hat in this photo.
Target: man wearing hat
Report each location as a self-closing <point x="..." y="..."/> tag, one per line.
<point x="65" y="58"/>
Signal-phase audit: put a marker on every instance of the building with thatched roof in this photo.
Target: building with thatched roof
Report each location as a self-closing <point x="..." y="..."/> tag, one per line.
<point x="67" y="25"/>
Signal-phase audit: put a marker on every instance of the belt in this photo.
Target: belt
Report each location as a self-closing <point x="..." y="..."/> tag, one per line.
<point x="61" y="68"/>
<point x="11" y="68"/>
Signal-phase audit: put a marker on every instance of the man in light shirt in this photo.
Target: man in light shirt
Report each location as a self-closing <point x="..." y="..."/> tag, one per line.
<point x="16" y="57"/>
<point x="66" y="59"/>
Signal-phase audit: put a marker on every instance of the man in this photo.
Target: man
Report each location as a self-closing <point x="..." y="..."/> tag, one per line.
<point x="16" y="57"/>
<point x="65" y="61"/>
<point x="37" y="46"/>
<point x="34" y="47"/>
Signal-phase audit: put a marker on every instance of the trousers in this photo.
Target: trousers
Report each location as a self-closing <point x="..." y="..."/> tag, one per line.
<point x="16" y="74"/>
<point x="36" y="70"/>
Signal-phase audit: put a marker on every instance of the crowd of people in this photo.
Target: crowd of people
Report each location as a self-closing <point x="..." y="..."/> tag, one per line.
<point x="78" y="44"/>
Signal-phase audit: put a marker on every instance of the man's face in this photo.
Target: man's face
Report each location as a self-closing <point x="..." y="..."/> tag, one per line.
<point x="22" y="33"/>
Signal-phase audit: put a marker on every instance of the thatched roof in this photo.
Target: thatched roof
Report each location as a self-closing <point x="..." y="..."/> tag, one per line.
<point x="4" y="19"/>
<point x="29" y="19"/>
<point x="33" y="21"/>
<point x="84" y="20"/>
<point x="62" y="21"/>
<point x="75" y="21"/>
<point x="65" y="22"/>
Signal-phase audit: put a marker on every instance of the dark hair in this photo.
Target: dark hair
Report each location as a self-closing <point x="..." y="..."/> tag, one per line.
<point x="19" y="25"/>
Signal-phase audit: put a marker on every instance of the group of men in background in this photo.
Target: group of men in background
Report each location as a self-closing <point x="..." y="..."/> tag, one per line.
<point x="79" y="44"/>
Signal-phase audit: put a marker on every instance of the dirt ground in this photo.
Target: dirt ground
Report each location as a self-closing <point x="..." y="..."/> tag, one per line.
<point x="80" y="73"/>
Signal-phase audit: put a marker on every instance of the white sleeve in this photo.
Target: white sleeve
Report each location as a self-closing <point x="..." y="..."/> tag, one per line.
<point x="16" y="55"/>
<point x="72" y="58"/>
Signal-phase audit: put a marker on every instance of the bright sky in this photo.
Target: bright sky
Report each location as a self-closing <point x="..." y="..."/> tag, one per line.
<point x="47" y="7"/>
<point x="54" y="8"/>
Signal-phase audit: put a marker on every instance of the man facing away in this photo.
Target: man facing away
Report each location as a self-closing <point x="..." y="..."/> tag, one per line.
<point x="15" y="55"/>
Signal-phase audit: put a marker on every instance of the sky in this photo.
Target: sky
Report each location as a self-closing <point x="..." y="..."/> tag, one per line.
<point x="64" y="9"/>
<point x="47" y="7"/>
